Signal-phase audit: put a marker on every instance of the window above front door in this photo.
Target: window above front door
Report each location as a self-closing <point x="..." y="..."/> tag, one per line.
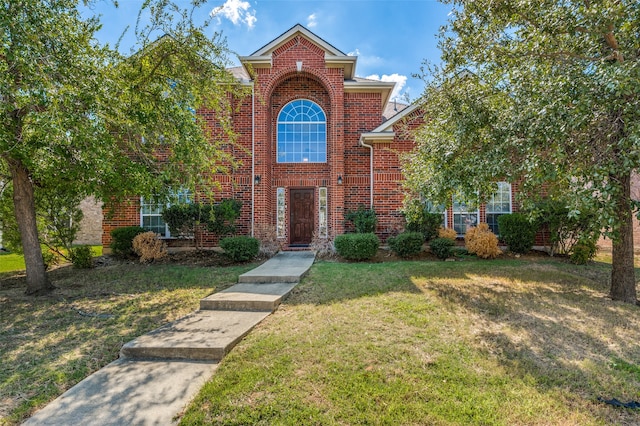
<point x="302" y="133"/>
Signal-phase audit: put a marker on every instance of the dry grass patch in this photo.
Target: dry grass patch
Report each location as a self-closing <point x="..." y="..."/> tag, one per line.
<point x="48" y="344"/>
<point x="476" y="342"/>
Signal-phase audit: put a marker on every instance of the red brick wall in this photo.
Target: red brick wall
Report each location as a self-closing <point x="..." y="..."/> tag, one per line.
<point x="348" y="116"/>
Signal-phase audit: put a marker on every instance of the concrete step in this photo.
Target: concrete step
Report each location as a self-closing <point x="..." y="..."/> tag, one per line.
<point x="285" y="267"/>
<point x="248" y="297"/>
<point x="202" y="335"/>
<point x="128" y="392"/>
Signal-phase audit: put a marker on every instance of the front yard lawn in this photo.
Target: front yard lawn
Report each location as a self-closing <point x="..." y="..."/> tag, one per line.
<point x="504" y="342"/>
<point x="527" y="341"/>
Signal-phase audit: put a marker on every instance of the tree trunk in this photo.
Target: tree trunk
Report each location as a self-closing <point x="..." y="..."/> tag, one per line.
<point x="623" y="278"/>
<point x="25" y="211"/>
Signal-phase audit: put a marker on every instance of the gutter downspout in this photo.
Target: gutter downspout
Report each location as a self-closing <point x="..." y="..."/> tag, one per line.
<point x="370" y="168"/>
<point x="253" y="161"/>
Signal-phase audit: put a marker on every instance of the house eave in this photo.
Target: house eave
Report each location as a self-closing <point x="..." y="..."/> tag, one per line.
<point x="348" y="63"/>
<point x="377" y="137"/>
<point x="383" y="87"/>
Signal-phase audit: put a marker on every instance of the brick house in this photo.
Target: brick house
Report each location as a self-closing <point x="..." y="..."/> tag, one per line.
<point x="317" y="141"/>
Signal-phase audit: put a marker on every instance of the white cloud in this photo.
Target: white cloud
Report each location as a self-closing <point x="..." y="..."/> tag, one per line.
<point x="312" y="20"/>
<point x="237" y="11"/>
<point x="400" y="80"/>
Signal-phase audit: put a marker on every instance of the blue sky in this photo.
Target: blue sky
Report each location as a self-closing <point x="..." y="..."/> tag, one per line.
<point x="390" y="37"/>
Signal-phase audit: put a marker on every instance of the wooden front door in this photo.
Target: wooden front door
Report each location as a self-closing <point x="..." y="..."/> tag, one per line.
<point x="301" y="216"/>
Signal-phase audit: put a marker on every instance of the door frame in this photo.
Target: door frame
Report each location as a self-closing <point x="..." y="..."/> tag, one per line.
<point x="313" y="215"/>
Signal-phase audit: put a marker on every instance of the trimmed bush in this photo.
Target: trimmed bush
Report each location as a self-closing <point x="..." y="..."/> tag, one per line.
<point x="357" y="246"/>
<point x="406" y="244"/>
<point x="517" y="232"/>
<point x="420" y="219"/>
<point x="448" y="233"/>
<point x="182" y="218"/>
<point x="364" y="220"/>
<point x="482" y="242"/>
<point x="149" y="247"/>
<point x="240" y="249"/>
<point x="583" y="251"/>
<point x="122" y="240"/>
<point x="81" y="257"/>
<point x="442" y="247"/>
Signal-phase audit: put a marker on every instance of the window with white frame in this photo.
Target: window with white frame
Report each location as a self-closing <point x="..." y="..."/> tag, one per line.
<point x="302" y="133"/>
<point x="464" y="216"/>
<point x="499" y="204"/>
<point x="151" y="212"/>
<point x="437" y="209"/>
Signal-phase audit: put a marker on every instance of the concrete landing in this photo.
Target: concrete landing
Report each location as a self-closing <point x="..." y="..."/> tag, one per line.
<point x="248" y="297"/>
<point x="128" y="392"/>
<point x="284" y="267"/>
<point x="203" y="335"/>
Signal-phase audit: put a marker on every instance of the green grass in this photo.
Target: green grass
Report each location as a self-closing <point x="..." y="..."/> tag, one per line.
<point x="12" y="262"/>
<point x="48" y="344"/>
<point x="501" y="342"/>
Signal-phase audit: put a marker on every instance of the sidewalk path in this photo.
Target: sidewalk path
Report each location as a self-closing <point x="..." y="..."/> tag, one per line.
<point x="160" y="372"/>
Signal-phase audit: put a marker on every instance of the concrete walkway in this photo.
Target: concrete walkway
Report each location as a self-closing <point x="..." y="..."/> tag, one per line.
<point x="159" y="373"/>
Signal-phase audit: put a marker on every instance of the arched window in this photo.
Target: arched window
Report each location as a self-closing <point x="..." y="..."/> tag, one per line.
<point x="302" y="133"/>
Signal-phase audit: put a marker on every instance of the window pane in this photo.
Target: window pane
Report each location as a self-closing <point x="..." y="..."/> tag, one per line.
<point x="301" y="133"/>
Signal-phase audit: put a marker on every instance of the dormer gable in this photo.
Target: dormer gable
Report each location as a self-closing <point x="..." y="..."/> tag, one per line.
<point x="333" y="57"/>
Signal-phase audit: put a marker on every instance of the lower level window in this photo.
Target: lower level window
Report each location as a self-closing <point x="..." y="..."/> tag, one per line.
<point x="151" y="213"/>
<point x="499" y="204"/>
<point x="464" y="217"/>
<point x="151" y="218"/>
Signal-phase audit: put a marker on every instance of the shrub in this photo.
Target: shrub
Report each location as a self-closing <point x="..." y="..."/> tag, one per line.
<point x="49" y="258"/>
<point x="407" y="244"/>
<point x="442" y="247"/>
<point x="448" y="233"/>
<point x="122" y="240"/>
<point x="221" y="218"/>
<point x="517" y="232"/>
<point x="420" y="219"/>
<point x="81" y="257"/>
<point x="567" y="227"/>
<point x="149" y="247"/>
<point x="364" y="220"/>
<point x="240" y="249"/>
<point x="583" y="251"/>
<point x="182" y="218"/>
<point x="482" y="242"/>
<point x="268" y="237"/>
<point x="357" y="246"/>
<point x="322" y="247"/>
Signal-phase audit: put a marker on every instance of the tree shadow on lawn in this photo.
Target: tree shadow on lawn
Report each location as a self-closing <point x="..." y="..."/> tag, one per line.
<point x="554" y="324"/>
<point x="545" y="321"/>
<point x="51" y="342"/>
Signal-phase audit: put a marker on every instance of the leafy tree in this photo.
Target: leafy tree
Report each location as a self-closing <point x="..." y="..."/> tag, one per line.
<point x="78" y="118"/>
<point x="546" y="93"/>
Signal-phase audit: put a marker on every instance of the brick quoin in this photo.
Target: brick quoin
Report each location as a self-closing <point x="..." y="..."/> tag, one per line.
<point x="300" y="65"/>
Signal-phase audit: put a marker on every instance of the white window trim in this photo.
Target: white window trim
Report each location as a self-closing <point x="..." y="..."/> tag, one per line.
<point x="278" y="122"/>
<point x="469" y="212"/>
<point x="167" y="232"/>
<point x="486" y="209"/>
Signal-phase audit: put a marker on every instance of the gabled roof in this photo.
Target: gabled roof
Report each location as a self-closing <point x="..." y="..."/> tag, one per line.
<point x="384" y="132"/>
<point x="334" y="57"/>
<point x="268" y="48"/>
